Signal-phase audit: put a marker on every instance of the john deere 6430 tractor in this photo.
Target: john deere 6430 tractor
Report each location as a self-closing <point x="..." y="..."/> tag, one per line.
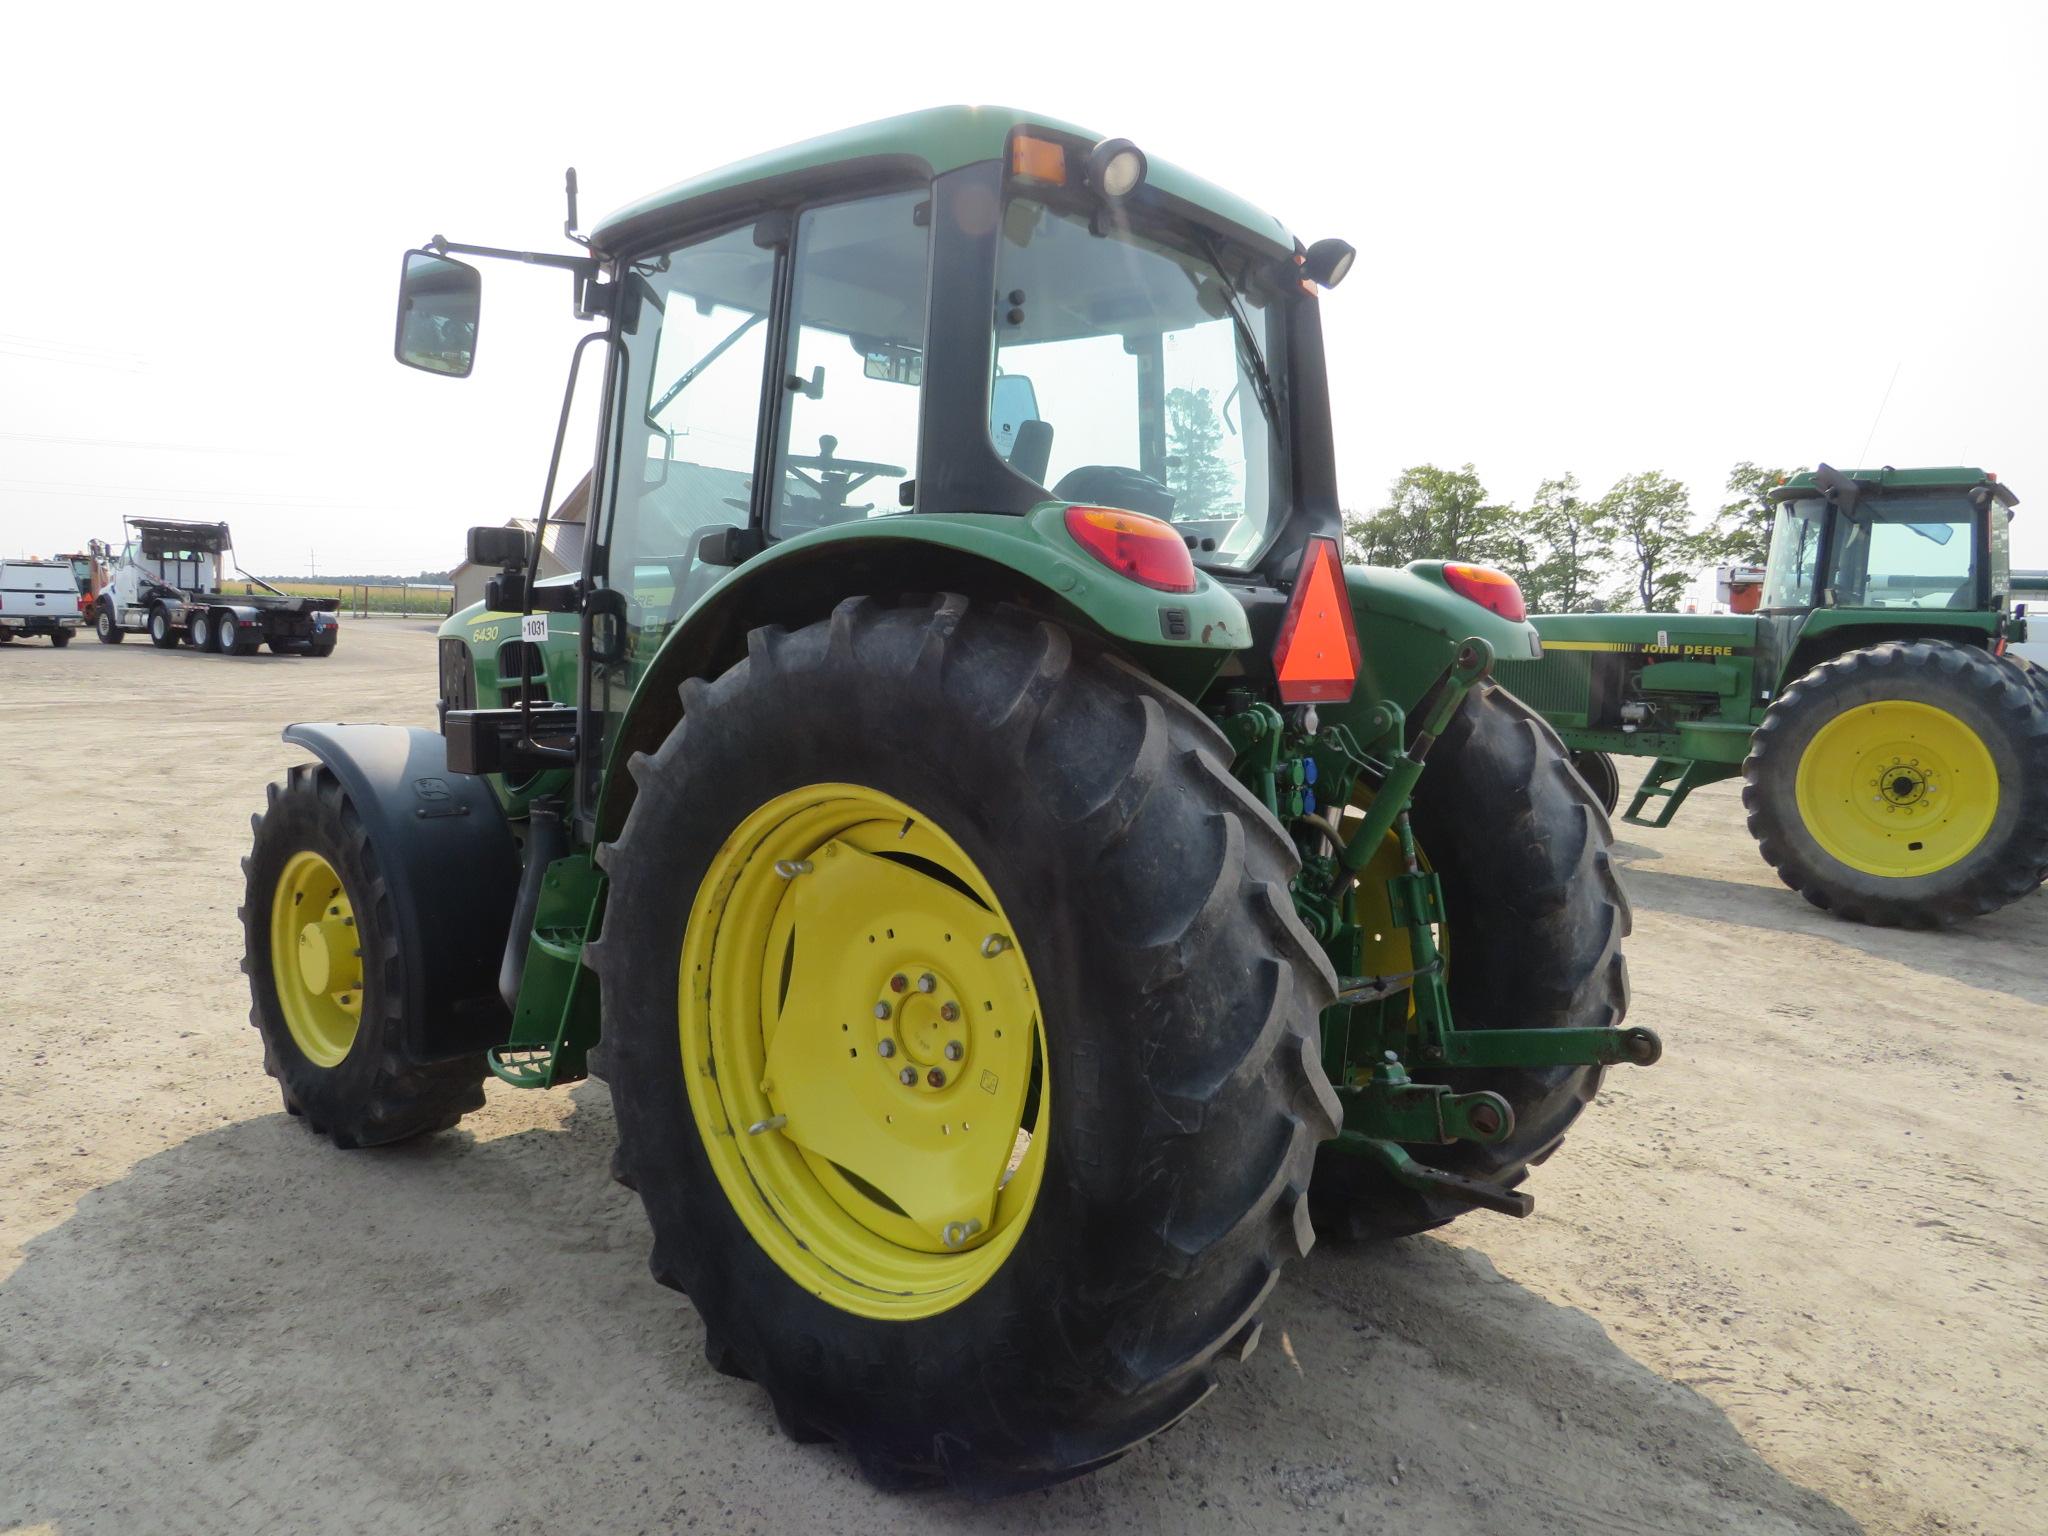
<point x="1006" y="868"/>
<point x="1894" y="756"/>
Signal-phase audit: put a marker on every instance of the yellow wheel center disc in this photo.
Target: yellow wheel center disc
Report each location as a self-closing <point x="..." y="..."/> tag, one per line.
<point x="316" y="959"/>
<point x="865" y="1051"/>
<point x="1897" y="788"/>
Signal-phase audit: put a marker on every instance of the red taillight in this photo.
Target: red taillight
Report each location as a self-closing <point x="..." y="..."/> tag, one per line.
<point x="1134" y="545"/>
<point x="1315" y="659"/>
<point x="1491" y="589"/>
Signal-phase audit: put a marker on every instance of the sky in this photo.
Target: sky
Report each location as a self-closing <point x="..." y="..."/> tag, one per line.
<point x="1592" y="239"/>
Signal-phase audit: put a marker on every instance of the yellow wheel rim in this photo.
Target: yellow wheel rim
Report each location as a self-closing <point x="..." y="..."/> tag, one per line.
<point x="316" y="959"/>
<point x="863" y="1051"/>
<point x="1384" y="947"/>
<point x="1897" y="788"/>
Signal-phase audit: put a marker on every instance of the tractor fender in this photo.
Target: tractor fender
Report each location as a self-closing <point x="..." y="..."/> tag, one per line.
<point x="444" y="848"/>
<point x="1183" y="639"/>
<point x="1410" y="625"/>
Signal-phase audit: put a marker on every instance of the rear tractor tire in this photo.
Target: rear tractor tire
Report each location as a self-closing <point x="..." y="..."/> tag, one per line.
<point x="1535" y="917"/>
<point x="200" y="631"/>
<point x="1904" y="785"/>
<point x="962" y="1037"/>
<point x="161" y="634"/>
<point x="328" y="982"/>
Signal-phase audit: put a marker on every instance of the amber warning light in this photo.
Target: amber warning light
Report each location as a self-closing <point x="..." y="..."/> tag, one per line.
<point x="1316" y="657"/>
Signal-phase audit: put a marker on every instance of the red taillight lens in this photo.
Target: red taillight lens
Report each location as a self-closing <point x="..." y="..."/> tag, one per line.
<point x="1315" y="660"/>
<point x="1495" y="590"/>
<point x="1134" y="545"/>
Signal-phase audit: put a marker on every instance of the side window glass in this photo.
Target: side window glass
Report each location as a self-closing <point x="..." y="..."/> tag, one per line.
<point x="856" y="363"/>
<point x="695" y="346"/>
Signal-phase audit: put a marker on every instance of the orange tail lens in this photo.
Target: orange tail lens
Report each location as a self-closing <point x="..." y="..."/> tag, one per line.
<point x="1316" y="656"/>
<point x="1038" y="159"/>
<point x="1134" y="545"/>
<point x="1491" y="589"/>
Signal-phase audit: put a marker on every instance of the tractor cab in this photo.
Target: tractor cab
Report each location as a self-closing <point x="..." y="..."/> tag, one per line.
<point x="1890" y="540"/>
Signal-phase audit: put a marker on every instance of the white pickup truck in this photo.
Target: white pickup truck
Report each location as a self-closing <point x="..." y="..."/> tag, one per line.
<point x="38" y="597"/>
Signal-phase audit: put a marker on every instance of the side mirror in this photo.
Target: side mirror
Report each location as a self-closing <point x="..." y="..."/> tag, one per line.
<point x="438" y="302"/>
<point x="506" y="548"/>
<point x="1012" y="401"/>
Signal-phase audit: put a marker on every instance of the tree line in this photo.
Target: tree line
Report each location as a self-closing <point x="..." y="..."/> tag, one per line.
<point x="1637" y="546"/>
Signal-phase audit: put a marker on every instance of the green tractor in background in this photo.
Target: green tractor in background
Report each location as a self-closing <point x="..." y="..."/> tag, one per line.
<point x="1893" y="752"/>
<point x="980" y="835"/>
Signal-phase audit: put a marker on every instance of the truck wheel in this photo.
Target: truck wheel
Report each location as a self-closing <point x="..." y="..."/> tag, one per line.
<point x="1535" y="919"/>
<point x="320" y="648"/>
<point x="199" y="631"/>
<point x="328" y="980"/>
<point x="1905" y="785"/>
<point x="60" y="638"/>
<point x="962" y="1037"/>
<point x="1601" y="776"/>
<point x="161" y="635"/>
<point x="107" y="627"/>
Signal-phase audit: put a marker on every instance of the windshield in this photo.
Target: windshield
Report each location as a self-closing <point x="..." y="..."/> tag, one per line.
<point x="1795" y="548"/>
<point x="1905" y="551"/>
<point x="1123" y="381"/>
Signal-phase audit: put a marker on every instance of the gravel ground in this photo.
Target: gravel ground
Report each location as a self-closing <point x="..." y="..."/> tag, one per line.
<point x="1793" y="1279"/>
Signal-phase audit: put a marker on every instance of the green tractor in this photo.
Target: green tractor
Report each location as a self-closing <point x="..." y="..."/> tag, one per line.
<point x="963" y="807"/>
<point x="1892" y="747"/>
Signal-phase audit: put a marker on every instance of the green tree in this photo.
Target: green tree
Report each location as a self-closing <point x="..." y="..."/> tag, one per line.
<point x="1741" y="531"/>
<point x="1196" y="471"/>
<point x="1557" y="552"/>
<point x="1432" y="514"/>
<point x="1646" y="520"/>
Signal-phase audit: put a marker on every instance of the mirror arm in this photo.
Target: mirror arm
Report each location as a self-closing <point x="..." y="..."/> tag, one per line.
<point x="584" y="266"/>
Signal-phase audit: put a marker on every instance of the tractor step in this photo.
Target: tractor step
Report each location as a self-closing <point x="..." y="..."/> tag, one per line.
<point x="1670" y="779"/>
<point x="523" y="1066"/>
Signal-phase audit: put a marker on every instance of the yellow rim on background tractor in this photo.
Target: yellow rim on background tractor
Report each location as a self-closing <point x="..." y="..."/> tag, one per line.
<point x="316" y="959"/>
<point x="1897" y="788"/>
<point x="863" y="1051"/>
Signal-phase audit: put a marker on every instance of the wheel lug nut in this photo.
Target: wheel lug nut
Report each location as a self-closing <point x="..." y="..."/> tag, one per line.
<point x="885" y="1048"/>
<point x="897" y="983"/>
<point x="949" y="1011"/>
<point x="881" y="1010"/>
<point x="954" y="1050"/>
<point x="907" y="1077"/>
<point x="927" y="982"/>
<point x="936" y="1078"/>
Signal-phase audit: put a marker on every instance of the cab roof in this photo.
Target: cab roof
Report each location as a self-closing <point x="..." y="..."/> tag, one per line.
<point x="1945" y="477"/>
<point x="930" y="142"/>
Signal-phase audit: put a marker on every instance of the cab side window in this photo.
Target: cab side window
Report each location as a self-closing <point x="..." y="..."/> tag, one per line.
<point x="694" y="341"/>
<point x="855" y="369"/>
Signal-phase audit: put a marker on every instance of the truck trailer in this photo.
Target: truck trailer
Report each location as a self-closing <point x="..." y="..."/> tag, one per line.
<point x="166" y="582"/>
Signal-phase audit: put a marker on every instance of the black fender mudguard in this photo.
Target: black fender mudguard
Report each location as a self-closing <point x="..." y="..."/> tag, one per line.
<point x="442" y="844"/>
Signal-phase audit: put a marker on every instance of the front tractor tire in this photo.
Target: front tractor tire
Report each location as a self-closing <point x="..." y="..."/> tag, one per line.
<point x="1602" y="777"/>
<point x="328" y="979"/>
<point x="1904" y="785"/>
<point x="1535" y="918"/>
<point x="962" y="1037"/>
<point x="106" y="626"/>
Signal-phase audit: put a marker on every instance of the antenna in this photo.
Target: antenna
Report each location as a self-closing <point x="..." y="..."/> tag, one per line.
<point x="1864" y="457"/>
<point x="569" y="224"/>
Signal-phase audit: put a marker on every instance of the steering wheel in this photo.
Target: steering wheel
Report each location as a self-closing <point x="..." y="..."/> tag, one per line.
<point x="837" y="478"/>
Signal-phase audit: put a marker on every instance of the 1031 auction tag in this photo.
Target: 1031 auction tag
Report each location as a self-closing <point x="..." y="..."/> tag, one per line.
<point x="534" y="627"/>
